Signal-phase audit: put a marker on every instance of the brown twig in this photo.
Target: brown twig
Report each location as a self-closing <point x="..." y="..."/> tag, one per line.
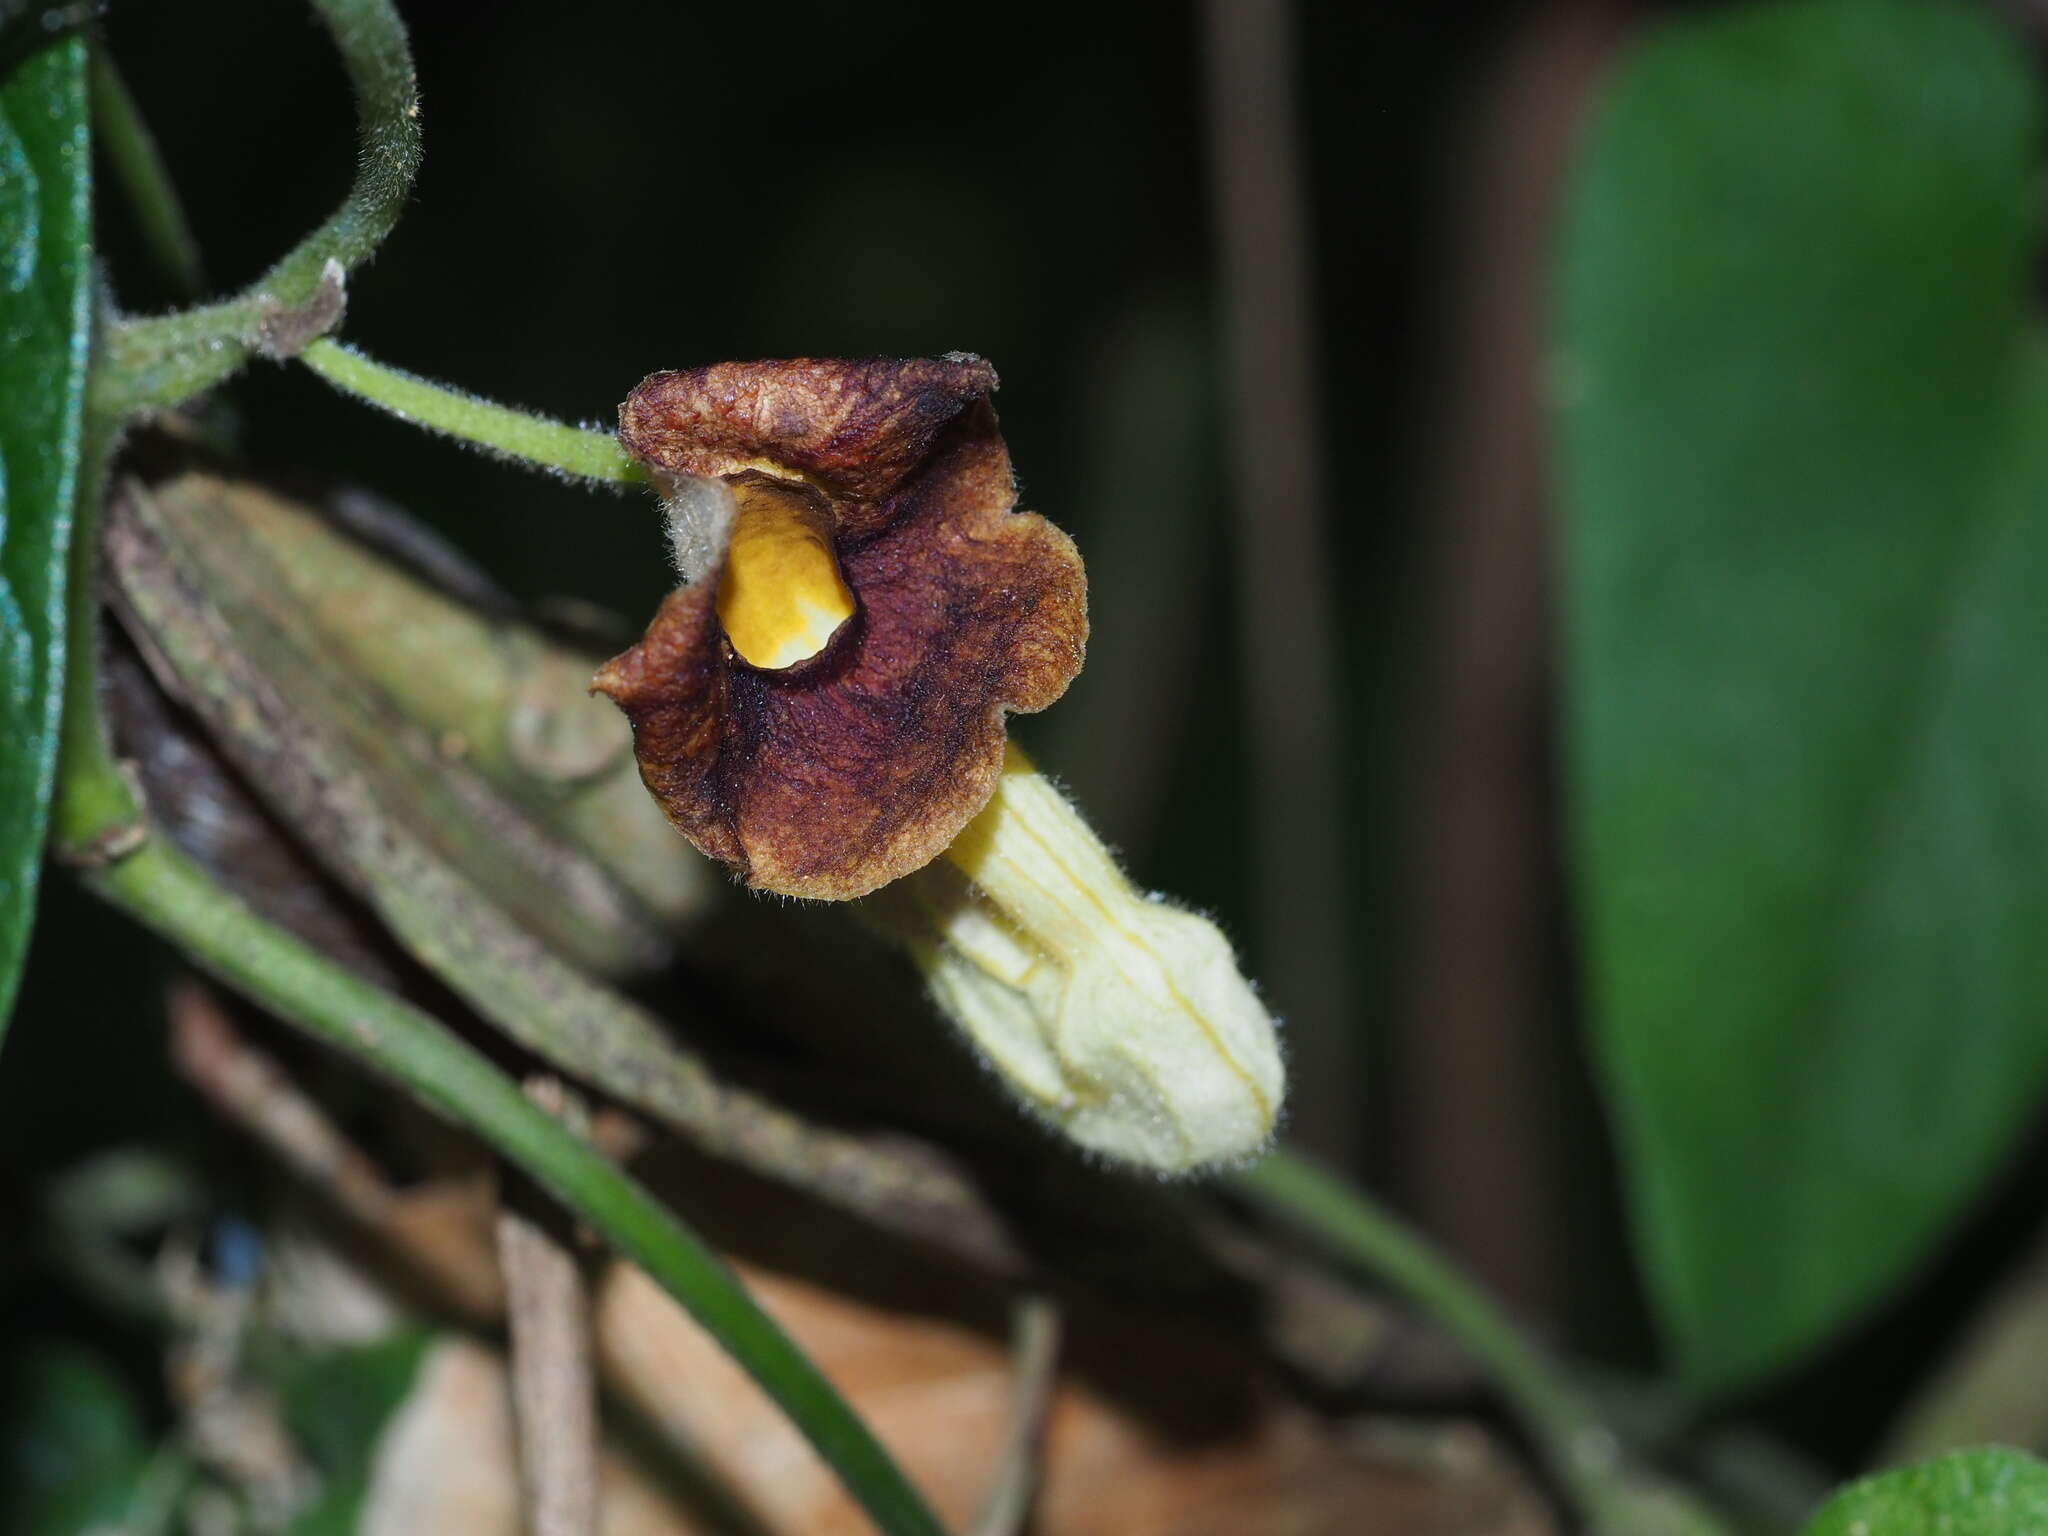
<point x="1007" y="1509"/>
<point x="250" y="1090"/>
<point x="554" y="1395"/>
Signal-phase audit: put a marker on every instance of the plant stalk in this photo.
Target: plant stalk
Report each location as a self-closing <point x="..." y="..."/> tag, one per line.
<point x="499" y="429"/>
<point x="164" y="359"/>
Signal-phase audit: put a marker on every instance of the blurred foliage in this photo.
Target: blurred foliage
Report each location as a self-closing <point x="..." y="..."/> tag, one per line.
<point x="72" y="1444"/>
<point x="78" y="1457"/>
<point x="1990" y="1492"/>
<point x="1804" y="495"/>
<point x="335" y="1403"/>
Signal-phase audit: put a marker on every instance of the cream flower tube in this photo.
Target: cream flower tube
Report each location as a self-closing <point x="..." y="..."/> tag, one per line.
<point x="1121" y="1019"/>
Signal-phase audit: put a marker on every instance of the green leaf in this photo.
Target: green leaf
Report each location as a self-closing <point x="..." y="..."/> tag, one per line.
<point x="45" y="321"/>
<point x="337" y="1403"/>
<point x="73" y="1444"/>
<point x="1803" y="435"/>
<point x="1990" y="1492"/>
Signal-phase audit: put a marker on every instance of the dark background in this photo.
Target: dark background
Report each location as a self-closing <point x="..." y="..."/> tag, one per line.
<point x="610" y="190"/>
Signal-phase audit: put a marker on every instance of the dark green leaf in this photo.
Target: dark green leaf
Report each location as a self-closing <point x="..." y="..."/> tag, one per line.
<point x="1802" y="427"/>
<point x="338" y="1511"/>
<point x="45" y="295"/>
<point x="1990" y="1492"/>
<point x="336" y="1401"/>
<point x="74" y="1445"/>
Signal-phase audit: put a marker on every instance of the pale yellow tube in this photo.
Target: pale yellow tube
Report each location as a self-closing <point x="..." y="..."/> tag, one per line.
<point x="1118" y="1017"/>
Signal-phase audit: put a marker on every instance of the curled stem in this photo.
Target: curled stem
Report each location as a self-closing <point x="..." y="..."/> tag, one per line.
<point x="162" y="360"/>
<point x="167" y="358"/>
<point x="498" y="429"/>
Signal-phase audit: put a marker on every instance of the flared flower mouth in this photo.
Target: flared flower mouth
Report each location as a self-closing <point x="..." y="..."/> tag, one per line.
<point x="821" y="705"/>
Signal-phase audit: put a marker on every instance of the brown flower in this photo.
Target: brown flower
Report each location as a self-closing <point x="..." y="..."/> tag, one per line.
<point x="822" y="708"/>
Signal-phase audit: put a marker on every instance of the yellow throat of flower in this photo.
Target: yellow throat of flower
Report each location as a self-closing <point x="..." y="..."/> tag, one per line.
<point x="781" y="598"/>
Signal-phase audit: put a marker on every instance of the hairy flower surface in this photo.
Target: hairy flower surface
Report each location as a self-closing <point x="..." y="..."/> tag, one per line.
<point x="821" y="705"/>
<point x="1114" y="1015"/>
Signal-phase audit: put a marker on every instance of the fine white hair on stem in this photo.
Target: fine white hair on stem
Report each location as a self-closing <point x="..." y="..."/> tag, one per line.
<point x="699" y="521"/>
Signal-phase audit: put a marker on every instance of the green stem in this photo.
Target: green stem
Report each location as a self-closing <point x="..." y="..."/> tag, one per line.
<point x="92" y="799"/>
<point x="499" y="429"/>
<point x="139" y="167"/>
<point x="164" y="890"/>
<point x="168" y="358"/>
<point x="1581" y="1450"/>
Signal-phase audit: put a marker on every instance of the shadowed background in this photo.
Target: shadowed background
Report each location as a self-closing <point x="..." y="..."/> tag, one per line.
<point x="645" y="186"/>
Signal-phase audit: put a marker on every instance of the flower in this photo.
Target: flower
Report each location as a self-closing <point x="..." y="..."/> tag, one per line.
<point x="821" y="705"/>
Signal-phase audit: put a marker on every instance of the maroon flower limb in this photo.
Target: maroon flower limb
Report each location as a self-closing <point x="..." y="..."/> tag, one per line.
<point x="856" y="428"/>
<point x="834" y="779"/>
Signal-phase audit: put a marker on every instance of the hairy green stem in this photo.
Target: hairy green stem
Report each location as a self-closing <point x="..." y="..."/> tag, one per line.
<point x="168" y="358"/>
<point x="1582" y="1452"/>
<point x="139" y="167"/>
<point x="498" y="429"/>
<point x="92" y="800"/>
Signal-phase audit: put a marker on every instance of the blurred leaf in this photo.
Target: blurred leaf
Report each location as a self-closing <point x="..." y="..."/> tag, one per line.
<point x="45" y="294"/>
<point x="73" y="1445"/>
<point x="338" y="1511"/>
<point x="1990" y="1492"/>
<point x="336" y="1404"/>
<point x="123" y="1189"/>
<point x="336" y="1401"/>
<point x="1805" y="465"/>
